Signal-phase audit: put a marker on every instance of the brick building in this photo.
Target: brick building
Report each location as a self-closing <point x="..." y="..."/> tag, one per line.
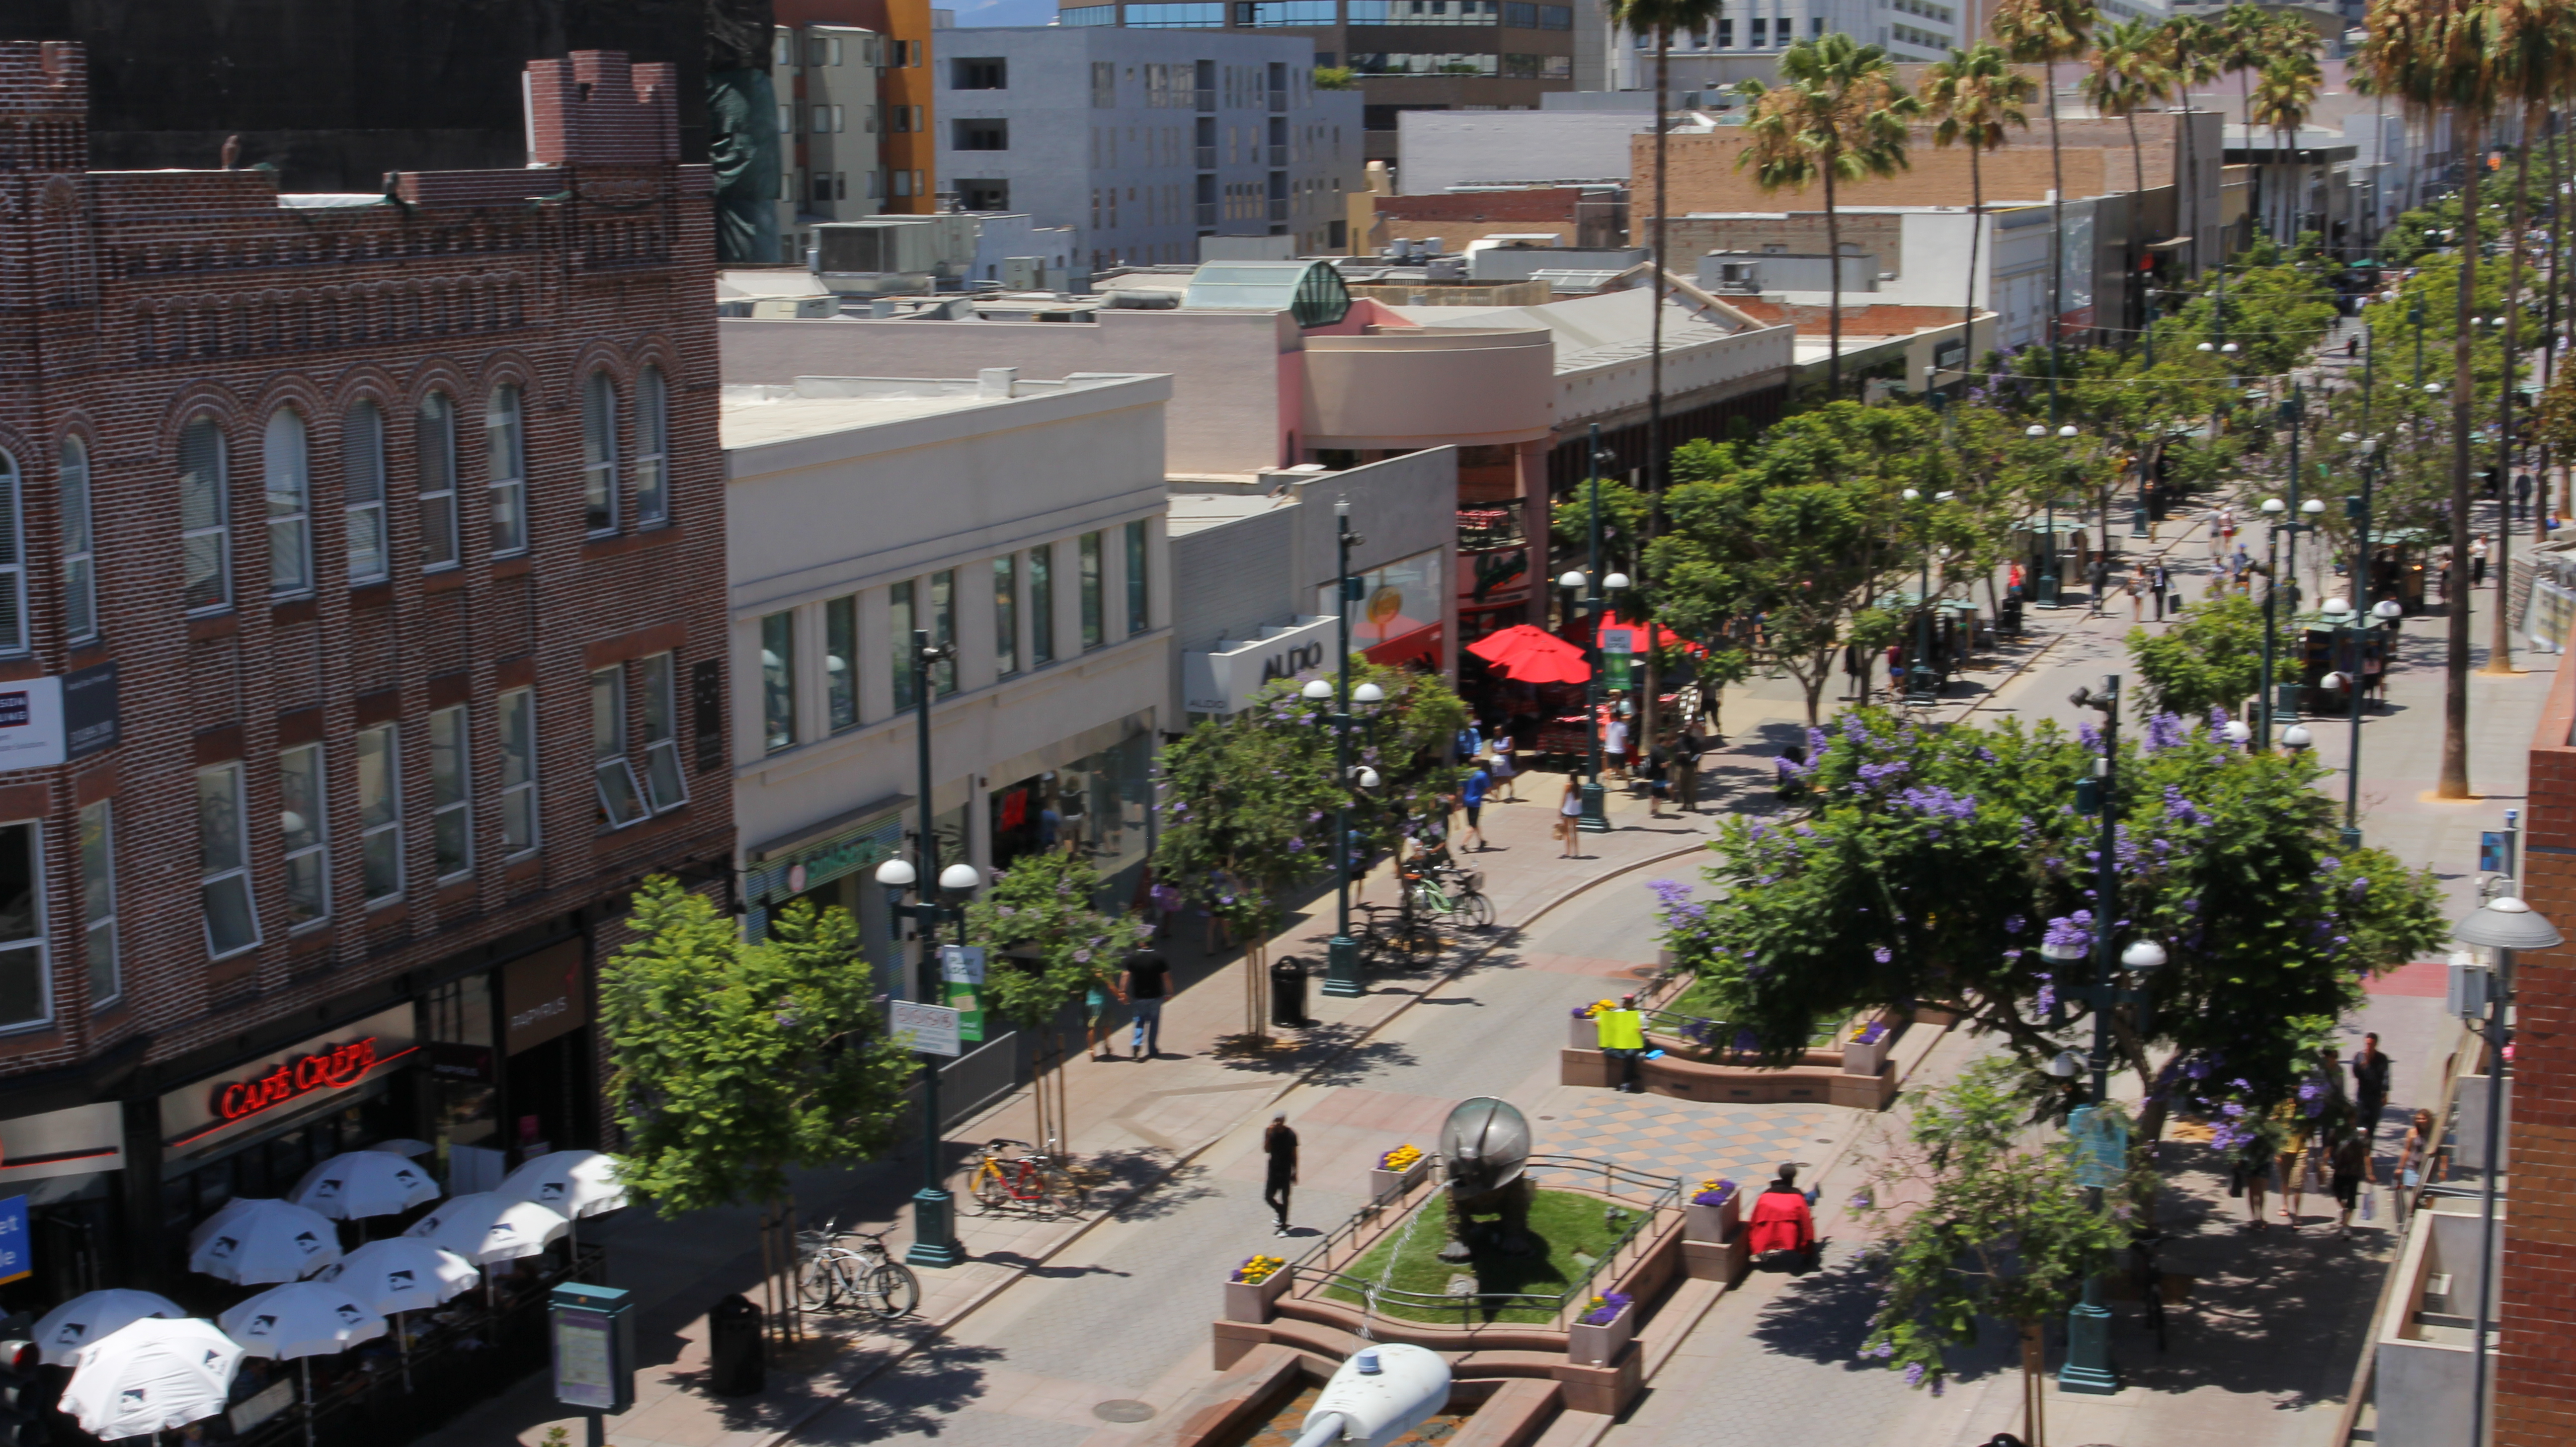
<point x="2535" y="1346"/>
<point x="361" y="629"/>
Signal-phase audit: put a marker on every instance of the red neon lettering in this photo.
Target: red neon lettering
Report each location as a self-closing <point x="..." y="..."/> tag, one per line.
<point x="330" y="1069"/>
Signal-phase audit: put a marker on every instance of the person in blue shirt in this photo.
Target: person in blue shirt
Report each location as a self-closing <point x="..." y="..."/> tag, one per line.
<point x="1471" y="797"/>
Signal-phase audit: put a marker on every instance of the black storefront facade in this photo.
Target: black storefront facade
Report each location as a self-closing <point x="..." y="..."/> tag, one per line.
<point x="488" y="1058"/>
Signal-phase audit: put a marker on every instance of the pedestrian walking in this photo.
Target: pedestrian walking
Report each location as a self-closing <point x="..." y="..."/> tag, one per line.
<point x="1659" y="776"/>
<point x="1687" y="750"/>
<point x="1470" y="742"/>
<point x="1149" y="980"/>
<point x="1622" y="1033"/>
<point x="2478" y="562"/>
<point x="2351" y="1168"/>
<point x="1856" y="670"/>
<point x="1279" y="1143"/>
<point x="1095" y="1017"/>
<point x="2159" y="583"/>
<point x="1502" y="767"/>
<point x="2521" y="495"/>
<point x="2099" y="578"/>
<point x="2416" y="1162"/>
<point x="1471" y="798"/>
<point x="1569" y="808"/>
<point x="2369" y="1084"/>
<point x="2136" y="588"/>
<point x="2252" y="1176"/>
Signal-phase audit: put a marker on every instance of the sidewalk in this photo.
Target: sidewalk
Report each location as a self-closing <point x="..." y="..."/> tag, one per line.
<point x="1138" y="1121"/>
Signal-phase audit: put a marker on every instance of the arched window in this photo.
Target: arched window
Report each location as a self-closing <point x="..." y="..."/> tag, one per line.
<point x="434" y="429"/>
<point x="362" y="466"/>
<point x="205" y="520"/>
<point x="505" y="469"/>
<point x="288" y="475"/>
<point x="599" y="453"/>
<point x="80" y="562"/>
<point x="652" y="450"/>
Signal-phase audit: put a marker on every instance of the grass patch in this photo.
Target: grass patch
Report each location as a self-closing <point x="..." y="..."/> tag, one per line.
<point x="1699" y="998"/>
<point x="1570" y="1224"/>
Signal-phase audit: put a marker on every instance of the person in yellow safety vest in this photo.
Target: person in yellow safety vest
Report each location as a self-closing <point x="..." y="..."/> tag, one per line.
<point x="1623" y="1038"/>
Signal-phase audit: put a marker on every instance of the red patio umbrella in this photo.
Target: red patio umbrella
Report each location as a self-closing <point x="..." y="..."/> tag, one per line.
<point x="1532" y="655"/>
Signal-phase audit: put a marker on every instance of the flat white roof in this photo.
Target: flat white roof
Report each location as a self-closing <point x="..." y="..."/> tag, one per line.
<point x="757" y="415"/>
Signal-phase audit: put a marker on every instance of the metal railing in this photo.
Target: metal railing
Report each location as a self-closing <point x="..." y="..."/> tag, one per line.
<point x="1327" y="1267"/>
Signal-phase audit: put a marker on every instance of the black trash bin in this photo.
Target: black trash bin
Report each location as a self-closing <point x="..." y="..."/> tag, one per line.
<point x="734" y="1364"/>
<point x="1288" y="993"/>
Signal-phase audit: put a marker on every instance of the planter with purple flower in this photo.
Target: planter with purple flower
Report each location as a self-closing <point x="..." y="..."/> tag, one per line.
<point x="1254" y="1287"/>
<point x="1596" y="1338"/>
<point x="1865" y="1046"/>
<point x="1713" y="1211"/>
<point x="1582" y="1032"/>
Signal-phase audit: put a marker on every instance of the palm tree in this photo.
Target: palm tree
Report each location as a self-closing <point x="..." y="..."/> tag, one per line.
<point x="2042" y="33"/>
<point x="2280" y="103"/>
<point x="1660" y="19"/>
<point x="2244" y="33"/>
<point x="2535" y="62"/>
<point x="1977" y="95"/>
<point x="2129" y="73"/>
<point x="1838" y="114"/>
<point x="2437" y="56"/>
<point x="2191" y="55"/>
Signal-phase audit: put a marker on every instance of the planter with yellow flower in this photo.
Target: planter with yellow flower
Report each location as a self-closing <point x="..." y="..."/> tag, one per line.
<point x="1865" y="1045"/>
<point x="1581" y="1033"/>
<point x="1254" y="1288"/>
<point x="1396" y="1173"/>
<point x="1602" y="1331"/>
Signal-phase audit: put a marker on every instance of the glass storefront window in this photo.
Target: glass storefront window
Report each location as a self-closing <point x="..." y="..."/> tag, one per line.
<point x="1096" y="806"/>
<point x="1402" y="597"/>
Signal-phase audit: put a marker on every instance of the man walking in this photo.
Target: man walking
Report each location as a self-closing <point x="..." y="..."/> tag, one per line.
<point x="1471" y="798"/>
<point x="2369" y="1084"/>
<point x="1686" y="753"/>
<point x="1279" y="1143"/>
<point x="1149" y="979"/>
<point x="2159" y="583"/>
<point x="2521" y="496"/>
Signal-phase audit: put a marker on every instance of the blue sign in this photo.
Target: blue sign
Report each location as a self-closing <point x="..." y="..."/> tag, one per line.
<point x="2101" y="1142"/>
<point x="17" y="1254"/>
<point x="2493" y="857"/>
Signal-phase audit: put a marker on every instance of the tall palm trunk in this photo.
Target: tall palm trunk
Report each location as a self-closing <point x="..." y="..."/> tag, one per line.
<point x="2549" y="338"/>
<point x="2056" y="223"/>
<point x="2130" y="286"/>
<point x="1976" y="236"/>
<point x="2191" y="163"/>
<point x="1654" y="471"/>
<point x="2455" y="689"/>
<point x="2500" y="649"/>
<point x="1834" y="288"/>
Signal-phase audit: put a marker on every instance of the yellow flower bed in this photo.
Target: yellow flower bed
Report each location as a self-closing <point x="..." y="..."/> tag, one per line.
<point x="1258" y="1270"/>
<point x="1402" y="1158"/>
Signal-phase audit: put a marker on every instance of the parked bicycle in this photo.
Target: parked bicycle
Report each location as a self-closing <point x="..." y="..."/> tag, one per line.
<point x="1034" y="1180"/>
<point x="864" y="1277"/>
<point x="1442" y="888"/>
<point x="1401" y="940"/>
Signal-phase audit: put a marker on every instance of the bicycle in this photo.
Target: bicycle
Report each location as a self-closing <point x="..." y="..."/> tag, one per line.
<point x="1404" y="940"/>
<point x="830" y="1274"/>
<point x="1459" y="899"/>
<point x="1034" y="1179"/>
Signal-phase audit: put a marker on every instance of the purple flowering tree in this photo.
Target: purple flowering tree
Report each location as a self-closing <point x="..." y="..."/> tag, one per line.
<point x="1935" y="863"/>
<point x="1048" y="945"/>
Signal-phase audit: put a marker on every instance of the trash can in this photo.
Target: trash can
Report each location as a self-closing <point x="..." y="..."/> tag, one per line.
<point x="734" y="1365"/>
<point x="1288" y="993"/>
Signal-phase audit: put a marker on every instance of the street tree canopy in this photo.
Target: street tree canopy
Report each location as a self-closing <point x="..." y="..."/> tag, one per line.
<point x="2210" y="657"/>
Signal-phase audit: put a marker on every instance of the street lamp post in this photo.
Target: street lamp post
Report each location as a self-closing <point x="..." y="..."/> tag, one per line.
<point x="1595" y="604"/>
<point x="2046" y="593"/>
<point x="934" y="1216"/>
<point x="1342" y="955"/>
<point x="1920" y="684"/>
<point x="2504" y="925"/>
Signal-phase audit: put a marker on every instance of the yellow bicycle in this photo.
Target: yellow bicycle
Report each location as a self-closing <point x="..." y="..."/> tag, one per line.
<point x="1035" y="1181"/>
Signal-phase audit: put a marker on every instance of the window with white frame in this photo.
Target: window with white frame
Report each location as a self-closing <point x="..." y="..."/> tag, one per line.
<point x="434" y="436"/>
<point x="451" y="794"/>
<point x="652" y="450"/>
<point x="841" y="661"/>
<point x="599" y="453"/>
<point x="943" y="631"/>
<point x="665" y="782"/>
<point x="380" y="812"/>
<point x="13" y="572"/>
<point x="505" y="470"/>
<point x="778" y="681"/>
<point x="223" y="862"/>
<point x="304" y="830"/>
<point x="362" y="466"/>
<point x="1006" y="615"/>
<point x="26" y="984"/>
<point x="899" y="627"/>
<point x="518" y="731"/>
<point x="620" y="802"/>
<point x="98" y="903"/>
<point x="80" y="559"/>
<point x="286" y="474"/>
<point x="1042" y="605"/>
<point x="205" y="522"/>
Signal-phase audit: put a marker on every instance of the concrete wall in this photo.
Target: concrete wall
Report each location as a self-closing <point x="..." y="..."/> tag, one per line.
<point x="2535" y="1378"/>
<point x="2424" y="1375"/>
<point x="1226" y="413"/>
<point x="1421" y="388"/>
<point x="1440" y="149"/>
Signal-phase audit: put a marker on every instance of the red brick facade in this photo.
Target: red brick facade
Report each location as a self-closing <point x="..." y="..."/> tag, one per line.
<point x="141" y="302"/>
<point x="2535" y="1383"/>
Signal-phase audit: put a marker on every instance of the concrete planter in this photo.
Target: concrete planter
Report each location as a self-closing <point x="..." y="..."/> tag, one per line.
<point x="1861" y="1059"/>
<point x="1599" y="1346"/>
<point x="1582" y="1034"/>
<point x="1386" y="1185"/>
<point x="1714" y="1223"/>
<point x="1255" y="1301"/>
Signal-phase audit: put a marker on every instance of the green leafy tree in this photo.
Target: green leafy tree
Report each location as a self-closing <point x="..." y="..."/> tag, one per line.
<point x="1336" y="77"/>
<point x="1049" y="947"/>
<point x="1938" y="862"/>
<point x="1977" y="1215"/>
<point x="2212" y="657"/>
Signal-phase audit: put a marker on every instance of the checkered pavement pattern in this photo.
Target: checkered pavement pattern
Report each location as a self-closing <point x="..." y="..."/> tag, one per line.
<point x="1686" y="1138"/>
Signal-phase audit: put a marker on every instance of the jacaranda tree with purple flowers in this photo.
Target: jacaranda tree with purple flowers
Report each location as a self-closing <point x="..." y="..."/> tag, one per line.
<point x="1934" y="863"/>
<point x="1048" y="945"/>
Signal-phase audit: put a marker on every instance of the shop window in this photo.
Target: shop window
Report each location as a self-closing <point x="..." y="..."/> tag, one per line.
<point x="1095" y="627"/>
<point x="223" y="849"/>
<point x="1042" y="605"/>
<point x="451" y="794"/>
<point x="943" y="631"/>
<point x="26" y="993"/>
<point x="380" y="813"/>
<point x="653" y="448"/>
<point x="505" y="469"/>
<point x="900" y="626"/>
<point x="80" y="561"/>
<point x="434" y="436"/>
<point x="599" y="453"/>
<point x="777" y="681"/>
<point x="304" y="826"/>
<point x="620" y="802"/>
<point x="205" y="529"/>
<point x="98" y="903"/>
<point x="665" y="782"/>
<point x="287" y="475"/>
<point x="1137" y="596"/>
<point x="841" y="660"/>
<point x="1006" y="615"/>
<point x="518" y="731"/>
<point x="362" y="469"/>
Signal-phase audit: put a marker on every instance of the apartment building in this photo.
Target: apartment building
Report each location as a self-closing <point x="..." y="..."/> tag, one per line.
<point x="895" y="83"/>
<point x="1146" y="142"/>
<point x="360" y="621"/>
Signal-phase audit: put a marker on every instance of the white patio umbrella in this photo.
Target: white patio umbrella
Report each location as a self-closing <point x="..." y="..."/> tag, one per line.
<point x="150" y="1375"/>
<point x="252" y="1242"/>
<point x="357" y="1184"/>
<point x="573" y="1183"/>
<point x="298" y="1322"/>
<point x="404" y="1273"/>
<point x="93" y="1315"/>
<point x="485" y="1227"/>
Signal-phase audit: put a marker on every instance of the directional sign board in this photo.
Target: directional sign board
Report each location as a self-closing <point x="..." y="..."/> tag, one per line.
<point x="929" y="1029"/>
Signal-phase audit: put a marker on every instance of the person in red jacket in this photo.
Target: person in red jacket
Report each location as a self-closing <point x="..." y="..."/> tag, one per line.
<point x="1781" y="1220"/>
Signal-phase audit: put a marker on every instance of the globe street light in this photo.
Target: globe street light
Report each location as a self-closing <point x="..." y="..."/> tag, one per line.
<point x="1342" y="953"/>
